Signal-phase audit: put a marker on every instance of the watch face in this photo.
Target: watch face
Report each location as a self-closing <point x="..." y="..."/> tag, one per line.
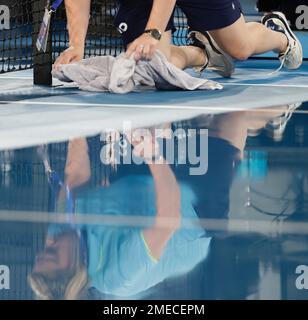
<point x="156" y="34"/>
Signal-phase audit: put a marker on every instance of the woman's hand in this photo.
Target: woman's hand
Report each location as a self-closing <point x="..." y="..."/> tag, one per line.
<point x="70" y="55"/>
<point x="143" y="47"/>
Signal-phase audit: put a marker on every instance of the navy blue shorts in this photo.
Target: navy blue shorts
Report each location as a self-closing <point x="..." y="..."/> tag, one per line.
<point x="202" y="15"/>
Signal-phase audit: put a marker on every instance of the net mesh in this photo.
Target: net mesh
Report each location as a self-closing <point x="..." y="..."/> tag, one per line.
<point x="15" y="35"/>
<point x="19" y="23"/>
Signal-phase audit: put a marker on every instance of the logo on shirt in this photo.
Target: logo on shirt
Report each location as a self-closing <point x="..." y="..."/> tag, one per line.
<point x="122" y="27"/>
<point x="233" y="6"/>
<point x="301" y="282"/>
<point x="301" y="22"/>
<point x="4" y="17"/>
<point x="4" y="278"/>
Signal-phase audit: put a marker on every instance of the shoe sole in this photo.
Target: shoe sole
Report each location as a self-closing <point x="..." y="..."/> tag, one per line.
<point x="283" y="18"/>
<point x="227" y="60"/>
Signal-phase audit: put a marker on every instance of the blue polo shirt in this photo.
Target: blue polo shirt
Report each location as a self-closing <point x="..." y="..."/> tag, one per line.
<point x="119" y="259"/>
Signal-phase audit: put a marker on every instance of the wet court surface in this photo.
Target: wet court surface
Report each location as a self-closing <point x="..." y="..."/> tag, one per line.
<point x="222" y="215"/>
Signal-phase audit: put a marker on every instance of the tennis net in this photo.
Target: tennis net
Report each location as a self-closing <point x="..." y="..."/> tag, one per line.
<point x="20" y="22"/>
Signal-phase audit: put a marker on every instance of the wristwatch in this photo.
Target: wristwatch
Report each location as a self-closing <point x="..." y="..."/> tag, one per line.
<point x="154" y="33"/>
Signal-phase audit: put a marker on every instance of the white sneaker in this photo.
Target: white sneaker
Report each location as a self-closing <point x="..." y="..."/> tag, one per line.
<point x="292" y="58"/>
<point x="275" y="128"/>
<point x="217" y="59"/>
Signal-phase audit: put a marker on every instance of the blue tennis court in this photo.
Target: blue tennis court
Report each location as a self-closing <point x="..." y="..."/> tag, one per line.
<point x="252" y="86"/>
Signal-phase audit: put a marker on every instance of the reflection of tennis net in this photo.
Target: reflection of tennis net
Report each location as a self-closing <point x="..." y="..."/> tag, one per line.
<point x="20" y="22"/>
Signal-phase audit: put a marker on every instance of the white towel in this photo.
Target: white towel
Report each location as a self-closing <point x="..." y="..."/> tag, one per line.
<point x="122" y="75"/>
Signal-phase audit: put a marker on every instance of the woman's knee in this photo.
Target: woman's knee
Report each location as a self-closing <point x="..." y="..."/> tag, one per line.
<point x="235" y="40"/>
<point x="241" y="53"/>
<point x="239" y="50"/>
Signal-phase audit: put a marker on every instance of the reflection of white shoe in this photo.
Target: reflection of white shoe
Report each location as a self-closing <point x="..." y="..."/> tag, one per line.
<point x="276" y="127"/>
<point x="218" y="60"/>
<point x="254" y="132"/>
<point x="292" y="58"/>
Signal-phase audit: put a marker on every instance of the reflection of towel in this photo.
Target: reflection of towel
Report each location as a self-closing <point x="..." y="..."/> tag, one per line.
<point x="121" y="75"/>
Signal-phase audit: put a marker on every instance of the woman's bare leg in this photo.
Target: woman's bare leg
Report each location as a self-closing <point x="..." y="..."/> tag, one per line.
<point x="242" y="40"/>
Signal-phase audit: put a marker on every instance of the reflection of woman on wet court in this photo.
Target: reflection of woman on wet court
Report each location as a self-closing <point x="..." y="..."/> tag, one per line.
<point x="128" y="261"/>
<point x="117" y="260"/>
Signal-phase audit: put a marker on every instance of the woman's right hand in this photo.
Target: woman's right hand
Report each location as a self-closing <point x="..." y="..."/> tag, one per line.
<point x="70" y="55"/>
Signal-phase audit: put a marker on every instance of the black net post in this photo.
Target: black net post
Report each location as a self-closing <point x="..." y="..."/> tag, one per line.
<point x="42" y="60"/>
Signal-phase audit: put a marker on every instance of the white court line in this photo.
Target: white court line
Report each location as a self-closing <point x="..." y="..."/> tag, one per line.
<point x="147" y="106"/>
<point x="220" y="82"/>
<point x="263" y="85"/>
<point x="227" y="225"/>
<point x="16" y="78"/>
<point x="118" y="106"/>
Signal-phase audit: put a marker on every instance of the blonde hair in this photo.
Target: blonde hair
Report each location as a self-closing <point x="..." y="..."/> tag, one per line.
<point x="46" y="289"/>
<point x="72" y="288"/>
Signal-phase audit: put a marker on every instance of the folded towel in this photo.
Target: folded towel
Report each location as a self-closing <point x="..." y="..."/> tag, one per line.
<point x="122" y="75"/>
